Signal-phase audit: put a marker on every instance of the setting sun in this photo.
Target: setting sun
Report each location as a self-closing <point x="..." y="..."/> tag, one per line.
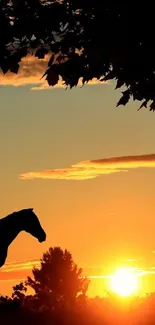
<point x="124" y="282"/>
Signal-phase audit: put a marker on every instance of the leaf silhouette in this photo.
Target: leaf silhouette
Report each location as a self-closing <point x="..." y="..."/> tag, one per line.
<point x="14" y="68"/>
<point x="51" y="60"/>
<point x="52" y="76"/>
<point x="152" y="106"/>
<point x="124" y="99"/>
<point x="144" y="104"/>
<point x="120" y="83"/>
<point x="4" y="66"/>
<point x="109" y="76"/>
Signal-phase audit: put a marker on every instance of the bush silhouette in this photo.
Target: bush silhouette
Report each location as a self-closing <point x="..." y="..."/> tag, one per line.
<point x="58" y="282"/>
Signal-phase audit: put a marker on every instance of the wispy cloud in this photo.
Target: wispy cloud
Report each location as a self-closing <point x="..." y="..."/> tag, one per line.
<point x="99" y="276"/>
<point x="137" y="271"/>
<point x="30" y="73"/>
<point x="18" y="270"/>
<point x="131" y="260"/>
<point x="26" y="265"/>
<point x="93" y="168"/>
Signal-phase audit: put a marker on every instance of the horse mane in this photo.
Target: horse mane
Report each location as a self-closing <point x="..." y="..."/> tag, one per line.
<point x="12" y="214"/>
<point x="6" y="218"/>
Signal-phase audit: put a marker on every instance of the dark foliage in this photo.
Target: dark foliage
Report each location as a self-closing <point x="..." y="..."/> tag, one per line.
<point x="86" y="39"/>
<point x="59" y="276"/>
<point x="59" y="293"/>
<point x="58" y="282"/>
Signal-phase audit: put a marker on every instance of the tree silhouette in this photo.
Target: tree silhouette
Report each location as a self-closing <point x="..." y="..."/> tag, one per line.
<point x="58" y="281"/>
<point x="19" y="291"/>
<point x="85" y="39"/>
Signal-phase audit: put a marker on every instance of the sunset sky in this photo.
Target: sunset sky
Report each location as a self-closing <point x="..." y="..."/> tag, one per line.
<point x="56" y="147"/>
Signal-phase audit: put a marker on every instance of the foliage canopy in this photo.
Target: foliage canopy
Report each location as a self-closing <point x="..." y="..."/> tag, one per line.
<point x="58" y="281"/>
<point x="84" y="39"/>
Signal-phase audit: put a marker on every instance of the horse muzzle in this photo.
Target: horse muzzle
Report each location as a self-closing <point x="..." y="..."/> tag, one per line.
<point x="42" y="238"/>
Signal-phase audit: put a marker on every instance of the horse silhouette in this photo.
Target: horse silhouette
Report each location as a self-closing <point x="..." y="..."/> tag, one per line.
<point x="13" y="224"/>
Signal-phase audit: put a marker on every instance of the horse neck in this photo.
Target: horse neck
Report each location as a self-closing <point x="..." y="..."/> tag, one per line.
<point x="11" y="228"/>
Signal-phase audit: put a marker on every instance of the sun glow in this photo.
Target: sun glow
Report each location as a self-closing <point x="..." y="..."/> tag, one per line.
<point x="124" y="282"/>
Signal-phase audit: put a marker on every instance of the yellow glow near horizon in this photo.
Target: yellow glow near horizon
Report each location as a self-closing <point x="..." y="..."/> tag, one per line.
<point x="124" y="282"/>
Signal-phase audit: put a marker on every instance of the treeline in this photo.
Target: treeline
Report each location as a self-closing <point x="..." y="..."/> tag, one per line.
<point x="60" y="298"/>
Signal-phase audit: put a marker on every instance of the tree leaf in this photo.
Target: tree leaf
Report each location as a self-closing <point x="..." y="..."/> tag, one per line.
<point x="110" y="75"/>
<point x="14" y="68"/>
<point x="144" y="104"/>
<point x="52" y="76"/>
<point x="152" y="106"/>
<point x="124" y="99"/>
<point x="120" y="83"/>
<point x="4" y="66"/>
<point x="51" y="60"/>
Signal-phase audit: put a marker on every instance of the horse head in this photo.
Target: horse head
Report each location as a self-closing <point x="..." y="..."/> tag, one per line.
<point x="31" y="224"/>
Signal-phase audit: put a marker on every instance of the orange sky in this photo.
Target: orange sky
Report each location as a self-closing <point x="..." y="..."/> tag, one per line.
<point x="103" y="218"/>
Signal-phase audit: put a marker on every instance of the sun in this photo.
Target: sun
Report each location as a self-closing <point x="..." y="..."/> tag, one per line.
<point x="124" y="282"/>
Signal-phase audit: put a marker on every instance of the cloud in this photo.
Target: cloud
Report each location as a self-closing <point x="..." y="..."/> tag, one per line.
<point x="30" y="73"/>
<point x="130" y="260"/>
<point x="18" y="270"/>
<point x="94" y="168"/>
<point x="137" y="271"/>
<point x="16" y="266"/>
<point x="99" y="276"/>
